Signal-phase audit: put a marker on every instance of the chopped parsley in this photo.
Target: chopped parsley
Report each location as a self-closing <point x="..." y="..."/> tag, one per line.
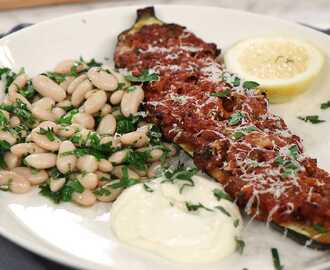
<point x="7" y="76"/>
<point x="56" y="77"/>
<point x="28" y="90"/>
<point x="131" y="89"/>
<point x="67" y="118"/>
<point x="126" y="124"/>
<point x="194" y="207"/>
<point x="320" y="228"/>
<point x="242" y="132"/>
<point x="64" y="194"/>
<point x="125" y="181"/>
<point x="147" y="188"/>
<point x="4" y="147"/>
<point x="145" y="76"/>
<point x="290" y="166"/>
<point x="250" y="84"/>
<point x="325" y="105"/>
<point x="223" y="210"/>
<point x="236" y="118"/>
<point x="48" y="132"/>
<point x="137" y="159"/>
<point x="20" y="110"/>
<point x="224" y="93"/>
<point x="220" y="194"/>
<point x="240" y="245"/>
<point x="102" y="192"/>
<point x="314" y="119"/>
<point x="180" y="173"/>
<point x="276" y="259"/>
<point x="3" y="120"/>
<point x="236" y="223"/>
<point x="155" y="135"/>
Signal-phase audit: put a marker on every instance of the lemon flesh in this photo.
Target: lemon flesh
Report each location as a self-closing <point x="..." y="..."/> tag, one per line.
<point x="284" y="67"/>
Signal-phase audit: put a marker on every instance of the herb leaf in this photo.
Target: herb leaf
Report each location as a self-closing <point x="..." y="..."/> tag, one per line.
<point x="48" y="132"/>
<point x="137" y="159"/>
<point x="147" y="188"/>
<point x="220" y="194"/>
<point x="240" y="245"/>
<point x="224" y="93"/>
<point x="320" y="228"/>
<point x="125" y="181"/>
<point x="194" y="207"/>
<point x="56" y="77"/>
<point x="276" y="259"/>
<point x="67" y="118"/>
<point x="325" y="105"/>
<point x="250" y="84"/>
<point x="145" y="76"/>
<point x="223" y="210"/>
<point x="242" y="132"/>
<point x="314" y="119"/>
<point x="126" y="124"/>
<point x="236" y="118"/>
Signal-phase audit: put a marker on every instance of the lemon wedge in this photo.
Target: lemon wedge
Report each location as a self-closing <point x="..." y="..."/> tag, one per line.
<point x="284" y="67"/>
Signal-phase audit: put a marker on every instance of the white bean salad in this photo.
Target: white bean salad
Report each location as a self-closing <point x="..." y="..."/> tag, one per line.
<point x="77" y="133"/>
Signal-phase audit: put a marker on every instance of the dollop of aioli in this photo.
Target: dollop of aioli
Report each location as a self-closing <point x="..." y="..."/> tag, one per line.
<point x="188" y="225"/>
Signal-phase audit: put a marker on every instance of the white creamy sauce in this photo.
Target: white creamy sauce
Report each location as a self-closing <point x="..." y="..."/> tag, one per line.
<point x="156" y="218"/>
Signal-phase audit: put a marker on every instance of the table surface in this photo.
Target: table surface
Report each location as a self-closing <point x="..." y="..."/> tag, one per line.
<point x="314" y="12"/>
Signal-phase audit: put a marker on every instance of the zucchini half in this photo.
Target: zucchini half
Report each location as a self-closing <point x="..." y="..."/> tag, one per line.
<point x="297" y="231"/>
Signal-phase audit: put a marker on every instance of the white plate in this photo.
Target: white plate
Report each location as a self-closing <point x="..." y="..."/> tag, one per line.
<point x="82" y="237"/>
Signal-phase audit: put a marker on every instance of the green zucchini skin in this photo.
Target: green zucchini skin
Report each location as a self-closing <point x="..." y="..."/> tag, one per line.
<point x="146" y="16"/>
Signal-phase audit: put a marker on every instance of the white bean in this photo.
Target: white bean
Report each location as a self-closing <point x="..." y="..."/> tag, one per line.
<point x="19" y="82"/>
<point x="105" y="165"/>
<point x="6" y="176"/>
<point x="112" y="193"/>
<point x="106" y="109"/>
<point x="11" y="160"/>
<point x="116" y="97"/>
<point x="86" y="198"/>
<point x="14" y="121"/>
<point x="42" y="109"/>
<point x="23" y="149"/>
<point x="42" y="140"/>
<point x="102" y="79"/>
<point x="135" y="138"/>
<point x="120" y="78"/>
<point x="8" y="137"/>
<point x="58" y="112"/>
<point x="66" y="131"/>
<point x="84" y="120"/>
<point x="95" y="102"/>
<point x="115" y="141"/>
<point x="78" y="95"/>
<point x="88" y="180"/>
<point x="48" y="88"/>
<point x="33" y="176"/>
<point x="65" y="84"/>
<point x="19" y="185"/>
<point x="73" y="85"/>
<point x="65" y="103"/>
<point x="107" y="125"/>
<point x="55" y="184"/>
<point x="154" y="169"/>
<point x="41" y="160"/>
<point x="65" y="66"/>
<point x="139" y="172"/>
<point x="118" y="157"/>
<point x="66" y="163"/>
<point x="87" y="163"/>
<point x="118" y="172"/>
<point x="156" y="154"/>
<point x="131" y="101"/>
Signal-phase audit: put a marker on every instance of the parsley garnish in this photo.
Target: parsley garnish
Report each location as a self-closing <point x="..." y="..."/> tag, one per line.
<point x="131" y="89"/>
<point x="314" y="119"/>
<point x="48" y="132"/>
<point x="250" y="84"/>
<point x="64" y="194"/>
<point x="28" y="91"/>
<point x="220" y="194"/>
<point x="236" y="118"/>
<point x="7" y="76"/>
<point x="242" y="132"/>
<point x="195" y="207"/>
<point x="240" y="245"/>
<point x="320" y="228"/>
<point x="125" y="181"/>
<point x="56" y="77"/>
<point x="325" y="105"/>
<point x="21" y="110"/>
<point x="137" y="159"/>
<point x="223" y="210"/>
<point x="126" y="124"/>
<point x="276" y="259"/>
<point x="102" y="192"/>
<point x="147" y="188"/>
<point x="224" y="93"/>
<point x="145" y="76"/>
<point x="67" y="118"/>
<point x="236" y="223"/>
<point x="155" y="135"/>
<point x="3" y="120"/>
<point x="4" y="147"/>
<point x="180" y="173"/>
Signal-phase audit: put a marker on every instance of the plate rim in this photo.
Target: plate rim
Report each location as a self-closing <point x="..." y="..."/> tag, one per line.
<point x="53" y="253"/>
